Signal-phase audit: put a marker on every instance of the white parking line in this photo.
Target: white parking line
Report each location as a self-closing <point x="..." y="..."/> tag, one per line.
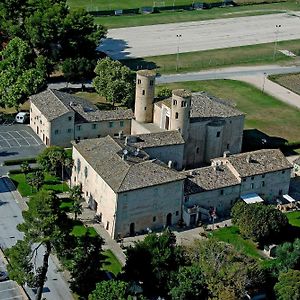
<point x="15" y="297"/>
<point x="22" y="137"/>
<point x="1" y="291"/>
<point x="38" y="142"/>
<point x="6" y="141"/>
<point x="13" y="138"/>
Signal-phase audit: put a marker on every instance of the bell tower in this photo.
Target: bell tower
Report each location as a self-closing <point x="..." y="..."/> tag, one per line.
<point x="144" y="96"/>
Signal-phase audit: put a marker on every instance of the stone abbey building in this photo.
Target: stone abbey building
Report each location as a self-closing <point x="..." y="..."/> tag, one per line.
<point x="175" y="159"/>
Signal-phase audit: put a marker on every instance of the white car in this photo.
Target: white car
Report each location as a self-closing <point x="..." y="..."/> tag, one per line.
<point x="22" y="117"/>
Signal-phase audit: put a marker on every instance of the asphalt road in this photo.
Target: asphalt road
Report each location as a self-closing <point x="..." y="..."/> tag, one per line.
<point x="10" y="215"/>
<point x="143" y="41"/>
<point x="225" y="73"/>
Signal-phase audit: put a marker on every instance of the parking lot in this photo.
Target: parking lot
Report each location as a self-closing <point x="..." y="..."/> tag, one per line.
<point x="9" y="290"/>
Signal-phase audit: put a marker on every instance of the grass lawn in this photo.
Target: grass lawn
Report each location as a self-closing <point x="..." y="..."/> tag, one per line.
<point x="195" y="15"/>
<point x="231" y="235"/>
<point x="66" y="205"/>
<point x="80" y="230"/>
<point x="263" y="112"/>
<point x="196" y="61"/>
<point x="52" y="183"/>
<point x="294" y="218"/>
<point x="111" y="263"/>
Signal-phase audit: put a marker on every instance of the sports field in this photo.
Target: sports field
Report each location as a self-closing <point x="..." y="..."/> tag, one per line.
<point x="124" y="4"/>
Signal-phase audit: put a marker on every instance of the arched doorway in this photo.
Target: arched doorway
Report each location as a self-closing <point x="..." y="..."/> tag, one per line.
<point x="169" y="219"/>
<point x="132" y="229"/>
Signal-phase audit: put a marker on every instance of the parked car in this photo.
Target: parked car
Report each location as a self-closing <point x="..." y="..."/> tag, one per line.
<point x="22" y="117"/>
<point x="3" y="276"/>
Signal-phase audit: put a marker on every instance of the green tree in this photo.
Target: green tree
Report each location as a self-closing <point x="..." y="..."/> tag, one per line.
<point x="288" y="256"/>
<point x="21" y="73"/>
<point x="76" y="197"/>
<point x="228" y="273"/>
<point x="189" y="284"/>
<point x="114" y="81"/>
<point x="160" y="256"/>
<point x="51" y="28"/>
<point x="41" y="228"/>
<point x="110" y="290"/>
<point x="164" y="93"/>
<point x="86" y="265"/>
<point x="52" y="160"/>
<point x="288" y="286"/>
<point x="259" y="222"/>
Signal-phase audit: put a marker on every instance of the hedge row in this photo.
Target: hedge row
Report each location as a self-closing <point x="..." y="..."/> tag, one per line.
<point x="17" y="171"/>
<point x="19" y="161"/>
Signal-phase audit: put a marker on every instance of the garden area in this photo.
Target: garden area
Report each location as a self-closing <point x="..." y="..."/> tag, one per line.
<point x="111" y="263"/>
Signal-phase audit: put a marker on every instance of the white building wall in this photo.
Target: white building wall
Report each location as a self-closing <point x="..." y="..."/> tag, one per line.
<point x="149" y="207"/>
<point x="94" y="188"/>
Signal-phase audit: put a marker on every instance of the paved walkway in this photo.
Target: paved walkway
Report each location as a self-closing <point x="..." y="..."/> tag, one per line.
<point x="272" y="88"/>
<point x="87" y="218"/>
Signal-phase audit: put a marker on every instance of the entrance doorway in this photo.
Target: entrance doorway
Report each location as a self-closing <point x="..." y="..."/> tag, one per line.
<point x="193" y="220"/>
<point x="132" y="229"/>
<point x="167" y="123"/>
<point x="169" y="219"/>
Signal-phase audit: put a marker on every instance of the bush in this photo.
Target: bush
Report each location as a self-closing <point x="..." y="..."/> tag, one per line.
<point x="18" y="171"/>
<point x="13" y="162"/>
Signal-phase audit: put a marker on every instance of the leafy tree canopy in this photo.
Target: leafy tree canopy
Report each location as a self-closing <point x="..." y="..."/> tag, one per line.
<point x="160" y="256"/>
<point x="228" y="273"/>
<point x="288" y="286"/>
<point x="115" y="82"/>
<point x="21" y="73"/>
<point x="259" y="222"/>
<point x="110" y="290"/>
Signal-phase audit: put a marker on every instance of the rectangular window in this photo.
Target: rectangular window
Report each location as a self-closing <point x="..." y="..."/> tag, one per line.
<point x="154" y="219"/>
<point x="143" y="92"/>
<point x="252" y="186"/>
<point x="56" y="131"/>
<point x="283" y="172"/>
<point x="69" y="130"/>
<point x="222" y="192"/>
<point x="174" y="102"/>
<point x="111" y="124"/>
<point x="263" y="176"/>
<point x="280" y="192"/>
<point x="139" y="81"/>
<point x="94" y="126"/>
<point x="252" y="178"/>
<point x="244" y="179"/>
<point x="70" y="118"/>
<point x="263" y="183"/>
<point x="176" y="115"/>
<point x="78" y="127"/>
<point x="107" y="225"/>
<point x="121" y="123"/>
<point x="177" y="213"/>
<point x="227" y="146"/>
<point x="218" y="133"/>
<point x="151" y="82"/>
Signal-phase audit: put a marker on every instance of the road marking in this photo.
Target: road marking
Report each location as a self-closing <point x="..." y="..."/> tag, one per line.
<point x="39" y="143"/>
<point x="1" y="291"/>
<point x="13" y="138"/>
<point x="22" y="138"/>
<point x="15" y="297"/>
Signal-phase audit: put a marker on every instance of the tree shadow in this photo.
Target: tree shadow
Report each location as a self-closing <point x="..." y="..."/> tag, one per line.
<point x="8" y="153"/>
<point x="136" y="64"/>
<point x="254" y="139"/>
<point x="114" y="48"/>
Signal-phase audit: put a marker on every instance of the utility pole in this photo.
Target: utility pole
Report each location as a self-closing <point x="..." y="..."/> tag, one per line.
<point x="177" y="57"/>
<point x="264" y="81"/>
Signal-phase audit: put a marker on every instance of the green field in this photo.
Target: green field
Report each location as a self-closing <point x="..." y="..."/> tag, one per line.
<point x="294" y="218"/>
<point x="195" y="15"/>
<point x="231" y="235"/>
<point x="81" y="230"/>
<point x="263" y="112"/>
<point x="52" y="183"/>
<point x="196" y="61"/>
<point x="111" y="263"/>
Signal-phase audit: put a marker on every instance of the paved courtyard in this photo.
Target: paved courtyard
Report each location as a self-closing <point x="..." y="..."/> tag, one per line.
<point x="9" y="290"/>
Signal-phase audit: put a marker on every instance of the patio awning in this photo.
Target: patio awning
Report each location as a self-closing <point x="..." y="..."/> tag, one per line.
<point x="288" y="198"/>
<point x="251" y="198"/>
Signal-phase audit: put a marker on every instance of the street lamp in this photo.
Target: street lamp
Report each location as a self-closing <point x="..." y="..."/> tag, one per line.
<point x="264" y="81"/>
<point x="177" y="58"/>
<point x="277" y="27"/>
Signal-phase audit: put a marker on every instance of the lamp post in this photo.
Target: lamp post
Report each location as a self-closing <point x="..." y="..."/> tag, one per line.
<point x="177" y="57"/>
<point x="264" y="81"/>
<point x="277" y="27"/>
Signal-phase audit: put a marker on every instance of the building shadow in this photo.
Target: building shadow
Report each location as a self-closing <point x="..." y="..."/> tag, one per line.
<point x="254" y="139"/>
<point x="114" y="48"/>
<point x="136" y="64"/>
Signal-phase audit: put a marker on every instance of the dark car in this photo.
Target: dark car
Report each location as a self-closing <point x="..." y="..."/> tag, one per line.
<point x="3" y="276"/>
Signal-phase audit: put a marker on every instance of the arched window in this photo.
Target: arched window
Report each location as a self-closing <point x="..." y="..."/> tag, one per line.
<point x="183" y="103"/>
<point x="174" y="102"/>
